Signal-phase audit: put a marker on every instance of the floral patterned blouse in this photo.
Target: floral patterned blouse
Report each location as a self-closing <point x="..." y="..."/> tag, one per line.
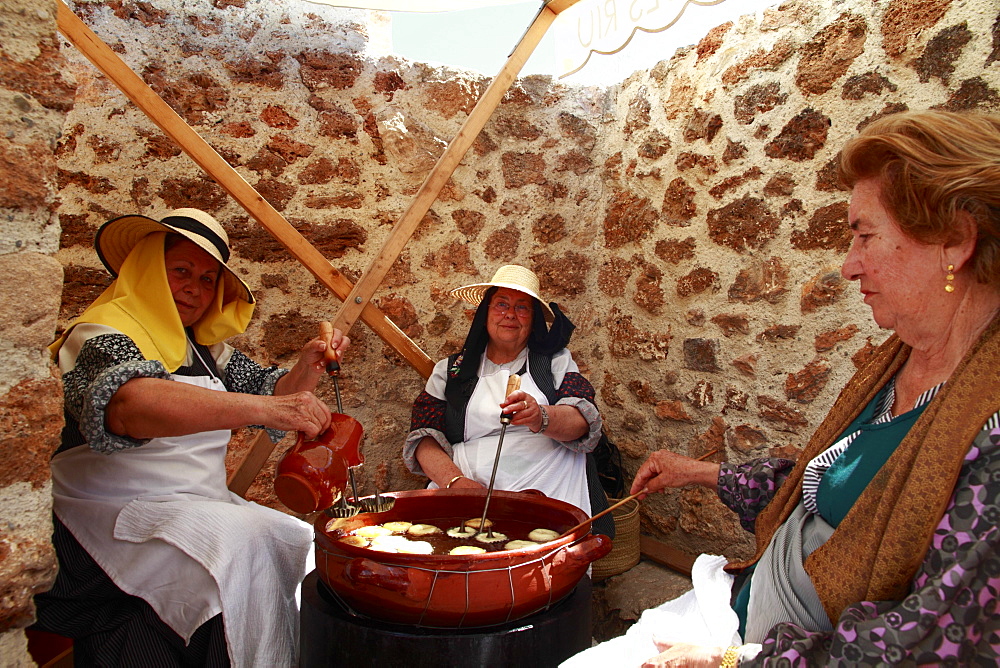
<point x="950" y="616"/>
<point x="107" y="359"/>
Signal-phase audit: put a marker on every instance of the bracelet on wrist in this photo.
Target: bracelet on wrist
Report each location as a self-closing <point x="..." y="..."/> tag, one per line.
<point x="545" y="419"/>
<point x="453" y="481"/>
<point x="731" y="657"/>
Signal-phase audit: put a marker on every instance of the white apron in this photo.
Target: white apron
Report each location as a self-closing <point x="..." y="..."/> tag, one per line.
<point x="162" y="524"/>
<point x="527" y="460"/>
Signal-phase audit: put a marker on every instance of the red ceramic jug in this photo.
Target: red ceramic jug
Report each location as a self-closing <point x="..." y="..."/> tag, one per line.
<point x="312" y="475"/>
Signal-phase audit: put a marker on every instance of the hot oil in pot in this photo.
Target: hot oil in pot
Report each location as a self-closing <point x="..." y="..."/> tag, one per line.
<point x="442" y="543"/>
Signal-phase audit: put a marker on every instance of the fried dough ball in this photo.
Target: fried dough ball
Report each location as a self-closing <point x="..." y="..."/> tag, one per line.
<point x="334" y="524"/>
<point x="543" y="535"/>
<point x="423" y="530"/>
<point x="467" y="549"/>
<point x="519" y="544"/>
<point x="356" y="541"/>
<point x="415" y="547"/>
<point x="372" y="531"/>
<point x="461" y="532"/>
<point x="475" y="521"/>
<point x="398" y="527"/>
<point x="387" y="543"/>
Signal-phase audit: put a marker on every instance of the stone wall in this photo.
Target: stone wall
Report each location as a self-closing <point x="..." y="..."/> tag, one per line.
<point x="34" y="99"/>
<point x="724" y="227"/>
<point x="687" y="219"/>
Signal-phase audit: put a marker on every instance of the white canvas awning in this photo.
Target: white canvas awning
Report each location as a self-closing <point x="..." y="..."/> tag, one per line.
<point x="417" y="5"/>
<point x="607" y="26"/>
<point x="641" y="32"/>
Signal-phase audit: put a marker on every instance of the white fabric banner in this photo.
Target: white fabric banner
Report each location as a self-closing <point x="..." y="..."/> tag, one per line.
<point x="418" y="5"/>
<point x="607" y="26"/>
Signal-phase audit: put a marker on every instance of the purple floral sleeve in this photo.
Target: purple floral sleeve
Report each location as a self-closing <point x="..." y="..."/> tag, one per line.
<point x="950" y="616"/>
<point x="747" y="488"/>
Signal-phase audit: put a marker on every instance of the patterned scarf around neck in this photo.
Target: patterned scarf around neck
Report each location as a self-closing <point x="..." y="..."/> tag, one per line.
<point x="877" y="549"/>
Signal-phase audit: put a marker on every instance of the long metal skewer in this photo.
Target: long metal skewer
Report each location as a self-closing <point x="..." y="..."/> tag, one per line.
<point x="354" y="485"/>
<point x="345" y="509"/>
<point x="513" y="384"/>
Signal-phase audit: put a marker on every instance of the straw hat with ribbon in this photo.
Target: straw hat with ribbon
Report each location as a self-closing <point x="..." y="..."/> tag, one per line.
<point x="512" y="276"/>
<point x="136" y="302"/>
<point x="117" y="237"/>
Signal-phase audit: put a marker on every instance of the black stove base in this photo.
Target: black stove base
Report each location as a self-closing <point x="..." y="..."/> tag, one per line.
<point x="333" y="636"/>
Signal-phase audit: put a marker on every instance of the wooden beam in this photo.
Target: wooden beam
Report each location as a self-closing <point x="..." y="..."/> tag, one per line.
<point x="661" y="553"/>
<point x="559" y="6"/>
<point x="258" y="452"/>
<point x="442" y="171"/>
<point x="108" y="62"/>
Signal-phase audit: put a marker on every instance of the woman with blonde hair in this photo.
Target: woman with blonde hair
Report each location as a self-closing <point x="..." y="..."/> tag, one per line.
<point x="880" y="544"/>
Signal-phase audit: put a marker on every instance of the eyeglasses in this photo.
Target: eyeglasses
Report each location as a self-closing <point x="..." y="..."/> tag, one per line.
<point x="500" y="307"/>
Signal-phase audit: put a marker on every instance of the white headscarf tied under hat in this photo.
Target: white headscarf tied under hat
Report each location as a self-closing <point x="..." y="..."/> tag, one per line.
<point x="512" y="276"/>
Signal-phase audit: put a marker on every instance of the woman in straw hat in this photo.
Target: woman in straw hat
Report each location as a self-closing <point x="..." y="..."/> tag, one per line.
<point x="159" y="564"/>
<point x="881" y="544"/>
<point x="455" y="423"/>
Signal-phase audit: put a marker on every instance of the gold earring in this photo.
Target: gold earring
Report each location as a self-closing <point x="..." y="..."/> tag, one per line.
<point x="949" y="287"/>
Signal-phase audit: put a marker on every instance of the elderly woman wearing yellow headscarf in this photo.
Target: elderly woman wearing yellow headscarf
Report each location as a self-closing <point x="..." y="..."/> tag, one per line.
<point x="159" y="563"/>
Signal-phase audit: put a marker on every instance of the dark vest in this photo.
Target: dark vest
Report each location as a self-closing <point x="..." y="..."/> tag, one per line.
<point x="459" y="393"/>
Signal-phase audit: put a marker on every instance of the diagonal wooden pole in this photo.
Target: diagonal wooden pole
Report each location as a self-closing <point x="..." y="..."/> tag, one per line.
<point x="108" y="62"/>
<point x="144" y="97"/>
<point x="403" y="229"/>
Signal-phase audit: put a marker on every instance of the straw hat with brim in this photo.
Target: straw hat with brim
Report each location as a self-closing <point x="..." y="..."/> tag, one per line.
<point x="116" y="238"/>
<point x="512" y="276"/>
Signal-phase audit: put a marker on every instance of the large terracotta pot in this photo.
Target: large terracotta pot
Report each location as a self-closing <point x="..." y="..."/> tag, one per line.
<point x="459" y="591"/>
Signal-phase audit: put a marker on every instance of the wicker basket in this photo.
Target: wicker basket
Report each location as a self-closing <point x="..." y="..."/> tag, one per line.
<point x="625" y="549"/>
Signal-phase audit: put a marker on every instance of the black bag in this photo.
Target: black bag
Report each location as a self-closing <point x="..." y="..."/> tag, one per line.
<point x="608" y="459"/>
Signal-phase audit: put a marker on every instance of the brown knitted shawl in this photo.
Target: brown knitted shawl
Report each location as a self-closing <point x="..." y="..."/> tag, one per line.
<point x="876" y="550"/>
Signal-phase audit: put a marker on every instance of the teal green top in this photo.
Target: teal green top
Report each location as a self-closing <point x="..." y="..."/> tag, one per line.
<point x="850" y="474"/>
<point x="841" y="485"/>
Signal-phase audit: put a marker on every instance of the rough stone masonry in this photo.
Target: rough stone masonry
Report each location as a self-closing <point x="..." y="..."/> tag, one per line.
<point x="687" y="219"/>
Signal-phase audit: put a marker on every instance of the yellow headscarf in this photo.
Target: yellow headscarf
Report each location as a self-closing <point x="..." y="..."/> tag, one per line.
<point x="139" y="304"/>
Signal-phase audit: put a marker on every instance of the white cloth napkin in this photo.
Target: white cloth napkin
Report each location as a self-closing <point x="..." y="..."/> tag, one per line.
<point x="256" y="555"/>
<point x="701" y="616"/>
